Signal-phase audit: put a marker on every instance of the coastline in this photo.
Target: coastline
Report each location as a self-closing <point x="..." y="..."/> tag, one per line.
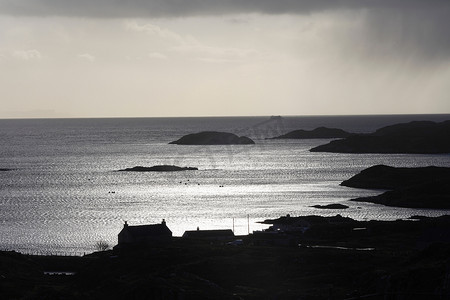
<point x="330" y="261"/>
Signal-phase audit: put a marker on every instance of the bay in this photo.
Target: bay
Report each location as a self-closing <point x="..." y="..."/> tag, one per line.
<point x="64" y="194"/>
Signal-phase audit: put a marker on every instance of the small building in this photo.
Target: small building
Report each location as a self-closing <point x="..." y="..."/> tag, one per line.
<point x="144" y="234"/>
<point x="210" y="235"/>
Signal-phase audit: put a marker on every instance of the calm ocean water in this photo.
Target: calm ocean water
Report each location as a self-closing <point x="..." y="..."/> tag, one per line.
<point x="64" y="194"/>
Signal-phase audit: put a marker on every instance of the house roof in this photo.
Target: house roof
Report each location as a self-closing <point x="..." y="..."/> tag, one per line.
<point x="208" y="233"/>
<point x="148" y="230"/>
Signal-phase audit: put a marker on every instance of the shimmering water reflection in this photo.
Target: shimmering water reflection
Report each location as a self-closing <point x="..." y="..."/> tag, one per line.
<point x="65" y="193"/>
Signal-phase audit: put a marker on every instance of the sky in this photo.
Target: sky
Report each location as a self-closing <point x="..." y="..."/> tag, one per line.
<point x="171" y="58"/>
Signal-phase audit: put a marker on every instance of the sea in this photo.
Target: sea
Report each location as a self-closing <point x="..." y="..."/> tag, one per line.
<point x="64" y="192"/>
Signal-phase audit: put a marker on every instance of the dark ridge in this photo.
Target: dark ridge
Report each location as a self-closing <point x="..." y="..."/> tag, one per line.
<point x="418" y="137"/>
<point x="386" y="177"/>
<point x="313" y="219"/>
<point x="331" y="206"/>
<point x="159" y="168"/>
<point x="318" y="133"/>
<point x="425" y="187"/>
<point x="5" y="170"/>
<point x="213" y="138"/>
<point x="432" y="194"/>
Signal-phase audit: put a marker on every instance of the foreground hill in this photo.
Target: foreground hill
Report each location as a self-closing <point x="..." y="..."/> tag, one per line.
<point x="318" y="133"/>
<point x="415" y="137"/>
<point x="213" y="138"/>
<point x="427" y="187"/>
<point x="380" y="260"/>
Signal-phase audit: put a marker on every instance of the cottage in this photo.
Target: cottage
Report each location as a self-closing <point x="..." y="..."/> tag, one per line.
<point x="144" y="234"/>
<point x="211" y="235"/>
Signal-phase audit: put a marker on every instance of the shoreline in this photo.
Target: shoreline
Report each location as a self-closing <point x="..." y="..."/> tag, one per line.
<point x="331" y="260"/>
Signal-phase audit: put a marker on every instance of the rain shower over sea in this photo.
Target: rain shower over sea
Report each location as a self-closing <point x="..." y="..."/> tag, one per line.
<point x="64" y="193"/>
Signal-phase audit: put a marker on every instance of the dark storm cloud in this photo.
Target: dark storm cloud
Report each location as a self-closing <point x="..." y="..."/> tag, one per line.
<point x="174" y="8"/>
<point x="391" y="26"/>
<point x="418" y="33"/>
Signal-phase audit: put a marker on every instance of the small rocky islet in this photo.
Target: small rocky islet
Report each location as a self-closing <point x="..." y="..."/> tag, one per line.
<point x="330" y="206"/>
<point x="213" y="138"/>
<point x="158" y="168"/>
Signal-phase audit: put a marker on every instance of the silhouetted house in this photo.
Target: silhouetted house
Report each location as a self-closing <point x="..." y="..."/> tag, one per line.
<point x="144" y="234"/>
<point x="210" y="235"/>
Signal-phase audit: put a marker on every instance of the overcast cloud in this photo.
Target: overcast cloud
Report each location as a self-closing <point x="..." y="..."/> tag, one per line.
<point x="224" y="57"/>
<point x="173" y="8"/>
<point x="390" y="25"/>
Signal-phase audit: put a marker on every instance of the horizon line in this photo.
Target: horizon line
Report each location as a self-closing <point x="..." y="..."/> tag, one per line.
<point x="220" y="116"/>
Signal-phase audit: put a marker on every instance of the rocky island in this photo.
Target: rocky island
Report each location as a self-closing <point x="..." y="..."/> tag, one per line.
<point x="318" y="133"/>
<point x="213" y="138"/>
<point x="426" y="187"/>
<point x="418" y="137"/>
<point x="331" y="206"/>
<point x="158" y="168"/>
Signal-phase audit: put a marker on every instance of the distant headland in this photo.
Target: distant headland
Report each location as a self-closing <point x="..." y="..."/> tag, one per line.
<point x="318" y="133"/>
<point x="418" y="137"/>
<point x="213" y="138"/>
<point x="426" y="187"/>
<point x="158" y="168"/>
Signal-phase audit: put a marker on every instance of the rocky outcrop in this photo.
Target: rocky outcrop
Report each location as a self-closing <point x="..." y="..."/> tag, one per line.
<point x="388" y="178"/>
<point x="415" y="137"/>
<point x="318" y="133"/>
<point x="427" y="187"/>
<point x="158" y="168"/>
<point x="435" y="195"/>
<point x="331" y="206"/>
<point x="213" y="138"/>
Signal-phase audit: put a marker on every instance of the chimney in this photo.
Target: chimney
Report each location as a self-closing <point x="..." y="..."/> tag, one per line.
<point x="163" y="221"/>
<point x="125" y="225"/>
